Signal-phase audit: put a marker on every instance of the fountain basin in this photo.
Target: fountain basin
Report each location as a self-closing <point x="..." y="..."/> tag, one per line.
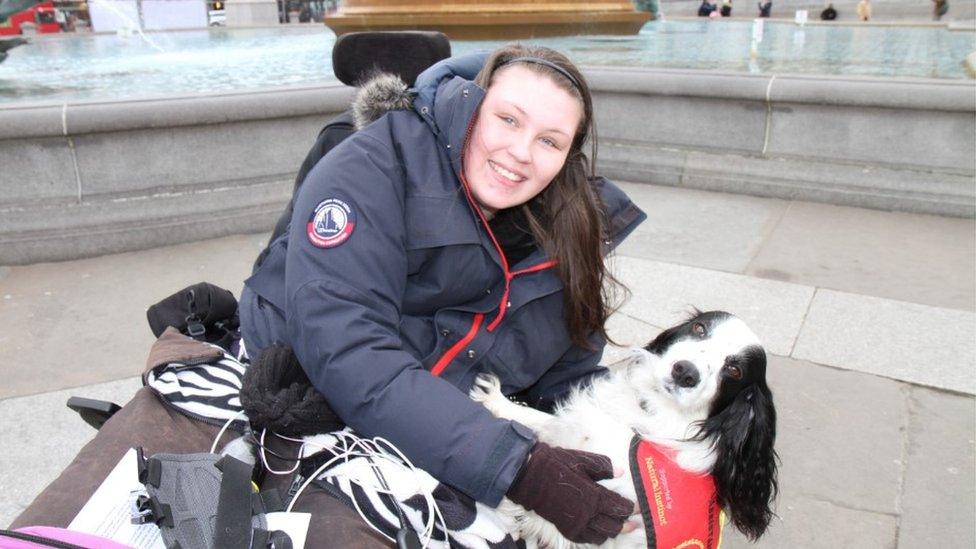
<point x="88" y="178"/>
<point x="83" y="67"/>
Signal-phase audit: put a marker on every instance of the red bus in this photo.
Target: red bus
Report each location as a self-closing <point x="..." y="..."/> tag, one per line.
<point x="42" y="16"/>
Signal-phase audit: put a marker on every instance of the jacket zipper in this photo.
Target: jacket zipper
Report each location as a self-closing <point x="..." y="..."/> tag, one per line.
<point x="509" y="276"/>
<point x="451" y="353"/>
<point x="503" y="305"/>
<point x="447" y="357"/>
<point x="494" y="241"/>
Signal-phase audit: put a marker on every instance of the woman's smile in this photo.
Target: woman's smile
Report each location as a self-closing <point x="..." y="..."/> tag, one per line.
<point x="507" y="176"/>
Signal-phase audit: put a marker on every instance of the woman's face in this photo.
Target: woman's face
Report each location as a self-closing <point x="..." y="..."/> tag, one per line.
<point x="524" y="131"/>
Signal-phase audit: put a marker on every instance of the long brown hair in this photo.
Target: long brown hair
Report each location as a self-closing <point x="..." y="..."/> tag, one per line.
<point x="567" y="218"/>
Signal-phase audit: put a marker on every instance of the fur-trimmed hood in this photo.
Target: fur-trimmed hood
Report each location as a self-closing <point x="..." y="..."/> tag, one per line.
<point x="380" y="94"/>
<point x="384" y="92"/>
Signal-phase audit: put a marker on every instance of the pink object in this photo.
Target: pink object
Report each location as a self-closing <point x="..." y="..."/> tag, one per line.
<point x="57" y="534"/>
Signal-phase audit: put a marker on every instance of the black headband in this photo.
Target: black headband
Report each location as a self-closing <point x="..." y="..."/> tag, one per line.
<point x="549" y="64"/>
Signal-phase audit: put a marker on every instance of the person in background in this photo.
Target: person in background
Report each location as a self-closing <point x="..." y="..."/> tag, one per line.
<point x="765" y="8"/>
<point x="864" y="10"/>
<point x="705" y="9"/>
<point x="652" y="7"/>
<point x="828" y="13"/>
<point x="939" y="8"/>
<point x="726" y="8"/>
<point x="61" y="19"/>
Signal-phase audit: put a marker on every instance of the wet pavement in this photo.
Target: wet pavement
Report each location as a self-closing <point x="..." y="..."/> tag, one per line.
<point x="868" y="315"/>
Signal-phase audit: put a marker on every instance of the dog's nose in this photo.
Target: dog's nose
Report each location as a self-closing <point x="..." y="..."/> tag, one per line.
<point x="685" y="374"/>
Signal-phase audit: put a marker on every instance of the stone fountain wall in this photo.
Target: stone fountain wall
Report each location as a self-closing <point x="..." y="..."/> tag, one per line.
<point x="86" y="179"/>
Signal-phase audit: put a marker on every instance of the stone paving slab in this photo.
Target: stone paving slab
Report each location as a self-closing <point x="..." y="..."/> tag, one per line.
<point x="811" y="524"/>
<point x="916" y="343"/>
<point x="938" y="503"/>
<point x="924" y="258"/>
<point x="46" y="436"/>
<point x="866" y="461"/>
<point x="663" y="295"/>
<point x="80" y="322"/>
<point x="840" y="435"/>
<point x="698" y="228"/>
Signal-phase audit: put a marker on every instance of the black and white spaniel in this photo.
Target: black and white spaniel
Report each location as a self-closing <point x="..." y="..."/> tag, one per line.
<point x="698" y="391"/>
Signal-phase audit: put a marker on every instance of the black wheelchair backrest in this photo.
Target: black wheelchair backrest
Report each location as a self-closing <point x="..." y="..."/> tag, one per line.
<point x="355" y="58"/>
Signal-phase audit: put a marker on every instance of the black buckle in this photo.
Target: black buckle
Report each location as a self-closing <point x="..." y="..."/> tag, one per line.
<point x="196" y="329"/>
<point x="140" y="508"/>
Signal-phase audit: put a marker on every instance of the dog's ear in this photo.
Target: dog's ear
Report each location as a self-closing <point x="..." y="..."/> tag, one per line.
<point x="661" y="343"/>
<point x="745" y="466"/>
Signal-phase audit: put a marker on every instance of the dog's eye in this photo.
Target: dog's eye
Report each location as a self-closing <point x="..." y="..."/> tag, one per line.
<point x="734" y="371"/>
<point x="698" y="329"/>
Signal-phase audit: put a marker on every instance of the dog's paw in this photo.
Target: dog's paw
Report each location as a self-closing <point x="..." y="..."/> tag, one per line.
<point x="486" y="388"/>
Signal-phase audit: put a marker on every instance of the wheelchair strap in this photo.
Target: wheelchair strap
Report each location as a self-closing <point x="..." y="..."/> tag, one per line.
<point x="233" y="526"/>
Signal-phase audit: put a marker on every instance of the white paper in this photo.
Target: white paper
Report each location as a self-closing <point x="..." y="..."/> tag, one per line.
<point x="107" y="512"/>
<point x="293" y="524"/>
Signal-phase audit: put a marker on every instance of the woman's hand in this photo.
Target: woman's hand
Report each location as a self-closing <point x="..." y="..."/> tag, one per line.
<point x="560" y="485"/>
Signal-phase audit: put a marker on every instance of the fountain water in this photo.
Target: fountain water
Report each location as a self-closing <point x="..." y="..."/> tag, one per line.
<point x="131" y="26"/>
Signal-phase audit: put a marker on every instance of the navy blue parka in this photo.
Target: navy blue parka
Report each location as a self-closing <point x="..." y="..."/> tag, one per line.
<point x="393" y="318"/>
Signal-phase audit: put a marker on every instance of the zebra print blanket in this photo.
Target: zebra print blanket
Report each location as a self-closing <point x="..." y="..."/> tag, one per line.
<point x="378" y="483"/>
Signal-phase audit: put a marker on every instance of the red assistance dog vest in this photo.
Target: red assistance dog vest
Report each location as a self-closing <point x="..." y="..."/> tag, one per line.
<point x="680" y="509"/>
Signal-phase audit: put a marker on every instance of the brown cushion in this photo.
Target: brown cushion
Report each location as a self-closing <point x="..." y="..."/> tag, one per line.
<point x="145" y="422"/>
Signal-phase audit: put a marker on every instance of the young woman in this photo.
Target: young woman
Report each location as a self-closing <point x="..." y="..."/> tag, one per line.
<point x="463" y="235"/>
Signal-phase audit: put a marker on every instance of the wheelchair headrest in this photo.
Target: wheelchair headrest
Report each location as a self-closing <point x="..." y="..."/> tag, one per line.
<point x="357" y="55"/>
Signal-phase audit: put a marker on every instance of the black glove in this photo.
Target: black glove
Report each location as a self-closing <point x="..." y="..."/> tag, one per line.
<point x="560" y="485"/>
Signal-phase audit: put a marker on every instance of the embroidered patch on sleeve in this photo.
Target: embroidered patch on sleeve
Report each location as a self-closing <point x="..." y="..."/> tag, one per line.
<point x="331" y="223"/>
